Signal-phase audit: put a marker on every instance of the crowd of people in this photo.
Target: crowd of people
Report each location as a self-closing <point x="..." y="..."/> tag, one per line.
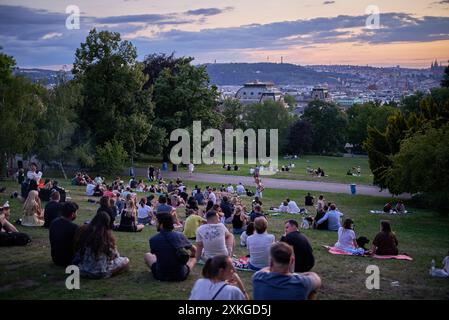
<point x="215" y="218"/>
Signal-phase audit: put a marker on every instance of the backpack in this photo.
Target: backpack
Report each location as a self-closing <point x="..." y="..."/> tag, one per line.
<point x="14" y="239"/>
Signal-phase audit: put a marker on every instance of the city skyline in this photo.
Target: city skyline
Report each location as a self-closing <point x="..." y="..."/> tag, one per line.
<point x="411" y="34"/>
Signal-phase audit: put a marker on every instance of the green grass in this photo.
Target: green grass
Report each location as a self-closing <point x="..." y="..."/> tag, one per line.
<point x="28" y="272"/>
<point x="335" y="167"/>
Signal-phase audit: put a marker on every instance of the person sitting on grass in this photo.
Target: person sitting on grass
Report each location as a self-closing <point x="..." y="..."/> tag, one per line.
<point x="320" y="215"/>
<point x="192" y="204"/>
<point x="304" y="259"/>
<point x="333" y="217"/>
<point x="400" y="207"/>
<point x="162" y="206"/>
<point x="105" y="206"/>
<point x="97" y="255"/>
<point x="347" y="239"/>
<point x="239" y="220"/>
<point x="128" y="218"/>
<point x="245" y="234"/>
<point x="52" y="209"/>
<point x="62" y="235"/>
<point x="257" y="212"/>
<point x="220" y="281"/>
<point x="5" y="214"/>
<point x="193" y="222"/>
<point x="33" y="215"/>
<point x="441" y="273"/>
<point x="309" y="200"/>
<point x="227" y="208"/>
<point x="258" y="245"/>
<point x="385" y="243"/>
<point x="240" y="189"/>
<point x="144" y="212"/>
<point x="199" y="197"/>
<point x="213" y="238"/>
<point x="293" y="207"/>
<point x="283" y="207"/>
<point x="277" y="282"/>
<point x="163" y="259"/>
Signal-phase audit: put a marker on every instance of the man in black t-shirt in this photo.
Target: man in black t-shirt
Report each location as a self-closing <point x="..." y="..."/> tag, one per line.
<point x="304" y="259"/>
<point x="62" y="235"/>
<point x="309" y="200"/>
<point x="52" y="209"/>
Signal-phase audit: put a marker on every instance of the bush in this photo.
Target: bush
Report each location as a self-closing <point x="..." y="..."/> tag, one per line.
<point x="84" y="156"/>
<point x="111" y="158"/>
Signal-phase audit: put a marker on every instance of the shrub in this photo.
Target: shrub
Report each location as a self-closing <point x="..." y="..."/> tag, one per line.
<point x="111" y="158"/>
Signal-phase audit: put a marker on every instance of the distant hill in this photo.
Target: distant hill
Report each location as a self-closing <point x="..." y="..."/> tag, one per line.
<point x="280" y="74"/>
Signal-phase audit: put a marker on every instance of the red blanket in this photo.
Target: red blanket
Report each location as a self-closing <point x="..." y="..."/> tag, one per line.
<point x="333" y="250"/>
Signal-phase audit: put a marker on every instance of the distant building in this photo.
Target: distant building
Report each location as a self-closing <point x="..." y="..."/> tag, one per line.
<point x="320" y="93"/>
<point x="256" y="92"/>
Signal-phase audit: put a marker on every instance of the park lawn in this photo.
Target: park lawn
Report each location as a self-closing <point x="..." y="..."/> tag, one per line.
<point x="334" y="167"/>
<point x="28" y="272"/>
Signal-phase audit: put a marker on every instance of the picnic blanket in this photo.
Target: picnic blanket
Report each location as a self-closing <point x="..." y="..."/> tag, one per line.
<point x="391" y="212"/>
<point x="337" y="251"/>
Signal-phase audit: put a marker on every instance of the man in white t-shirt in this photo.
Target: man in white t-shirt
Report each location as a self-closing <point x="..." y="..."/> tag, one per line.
<point x="33" y="173"/>
<point x="240" y="189"/>
<point x="230" y="188"/>
<point x="214" y="238"/>
<point x="293" y="207"/>
<point x="191" y="168"/>
<point x="259" y="245"/>
<point x="212" y="196"/>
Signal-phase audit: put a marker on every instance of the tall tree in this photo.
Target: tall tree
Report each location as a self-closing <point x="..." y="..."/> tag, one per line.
<point x="183" y="95"/>
<point x="21" y="106"/>
<point x="329" y="126"/>
<point x="445" y="80"/>
<point x="232" y="110"/>
<point x="115" y="105"/>
<point x="300" y="139"/>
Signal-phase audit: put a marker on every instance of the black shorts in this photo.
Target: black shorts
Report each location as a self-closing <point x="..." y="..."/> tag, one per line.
<point x="181" y="277"/>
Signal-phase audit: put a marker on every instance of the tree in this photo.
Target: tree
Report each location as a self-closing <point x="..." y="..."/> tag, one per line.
<point x="445" y="81"/>
<point x="269" y="115"/>
<point x="115" y="105"/>
<point x="183" y="95"/>
<point x="21" y="106"/>
<point x="422" y="165"/>
<point x="58" y="123"/>
<point x="300" y="139"/>
<point x="329" y="126"/>
<point x="155" y="63"/>
<point x="111" y="157"/>
<point x="232" y="111"/>
<point x="290" y="100"/>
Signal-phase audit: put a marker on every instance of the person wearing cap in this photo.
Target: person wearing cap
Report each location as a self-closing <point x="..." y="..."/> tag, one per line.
<point x="213" y="238"/>
<point x="5" y="213"/>
<point x="52" y="209"/>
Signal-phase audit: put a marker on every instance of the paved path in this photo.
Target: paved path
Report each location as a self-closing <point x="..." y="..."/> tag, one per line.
<point x="274" y="183"/>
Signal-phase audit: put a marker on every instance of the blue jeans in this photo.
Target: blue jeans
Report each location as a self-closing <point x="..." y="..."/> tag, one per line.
<point x="253" y="267"/>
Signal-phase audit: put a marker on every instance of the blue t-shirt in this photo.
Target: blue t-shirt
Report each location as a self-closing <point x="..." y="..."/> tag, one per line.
<point x="163" y="208"/>
<point x="275" y="286"/>
<point x="163" y="246"/>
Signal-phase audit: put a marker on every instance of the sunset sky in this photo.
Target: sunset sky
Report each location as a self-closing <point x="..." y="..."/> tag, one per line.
<point x="412" y="33"/>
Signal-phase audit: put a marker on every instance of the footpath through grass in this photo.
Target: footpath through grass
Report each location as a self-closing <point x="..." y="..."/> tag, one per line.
<point x="28" y="272"/>
<point x="335" y="168"/>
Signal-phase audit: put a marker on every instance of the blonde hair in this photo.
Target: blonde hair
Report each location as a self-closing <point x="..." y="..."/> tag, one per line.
<point x="32" y="203"/>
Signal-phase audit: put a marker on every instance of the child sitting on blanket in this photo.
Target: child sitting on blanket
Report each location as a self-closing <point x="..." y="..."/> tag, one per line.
<point x="347" y="239"/>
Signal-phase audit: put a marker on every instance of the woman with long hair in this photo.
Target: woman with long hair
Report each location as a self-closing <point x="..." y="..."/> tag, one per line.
<point x="220" y="281"/>
<point x="33" y="214"/>
<point x="347" y="239"/>
<point x="385" y="243"/>
<point x="239" y="220"/>
<point x="96" y="251"/>
<point x="128" y="218"/>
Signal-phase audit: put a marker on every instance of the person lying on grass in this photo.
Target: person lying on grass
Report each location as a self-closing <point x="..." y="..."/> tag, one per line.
<point x="278" y="282"/>
<point x="220" y="281"/>
<point x="97" y="255"/>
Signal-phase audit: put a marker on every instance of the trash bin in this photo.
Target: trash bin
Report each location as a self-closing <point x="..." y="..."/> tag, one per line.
<point x="175" y="167"/>
<point x="164" y="166"/>
<point x="353" y="188"/>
